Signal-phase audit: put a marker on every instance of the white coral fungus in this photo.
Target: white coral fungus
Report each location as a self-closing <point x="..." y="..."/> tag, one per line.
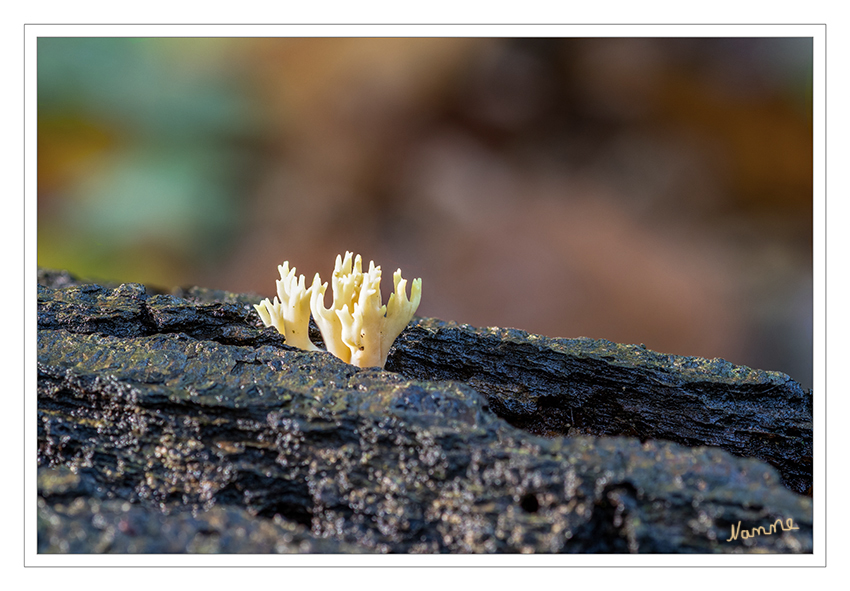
<point x="290" y="314"/>
<point x="357" y="328"/>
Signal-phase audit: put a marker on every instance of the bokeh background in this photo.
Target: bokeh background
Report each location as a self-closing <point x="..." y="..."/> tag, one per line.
<point x="654" y="191"/>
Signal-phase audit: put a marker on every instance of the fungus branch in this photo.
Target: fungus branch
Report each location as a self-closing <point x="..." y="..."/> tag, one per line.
<point x="290" y="311"/>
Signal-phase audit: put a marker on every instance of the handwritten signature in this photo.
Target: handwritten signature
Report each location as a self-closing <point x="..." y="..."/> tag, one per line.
<point x="760" y="531"/>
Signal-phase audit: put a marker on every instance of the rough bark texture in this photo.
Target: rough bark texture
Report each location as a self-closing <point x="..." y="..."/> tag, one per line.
<point x="178" y="423"/>
<point x="557" y="387"/>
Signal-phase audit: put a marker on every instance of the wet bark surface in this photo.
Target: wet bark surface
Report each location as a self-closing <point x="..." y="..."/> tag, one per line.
<point x="177" y="423"/>
<point x="558" y="387"/>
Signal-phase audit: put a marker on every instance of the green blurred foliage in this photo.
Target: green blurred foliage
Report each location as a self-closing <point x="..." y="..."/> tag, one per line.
<point x="144" y="155"/>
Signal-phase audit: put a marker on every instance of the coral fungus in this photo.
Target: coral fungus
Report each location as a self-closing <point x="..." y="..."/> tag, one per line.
<point x="357" y="328"/>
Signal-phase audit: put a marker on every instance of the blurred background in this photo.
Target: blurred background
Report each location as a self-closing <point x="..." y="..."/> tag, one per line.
<point x="654" y="191"/>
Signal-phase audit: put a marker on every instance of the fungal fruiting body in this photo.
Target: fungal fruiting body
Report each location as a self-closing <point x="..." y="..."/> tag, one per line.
<point x="290" y="311"/>
<point x="357" y="328"/>
<point x="345" y="287"/>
